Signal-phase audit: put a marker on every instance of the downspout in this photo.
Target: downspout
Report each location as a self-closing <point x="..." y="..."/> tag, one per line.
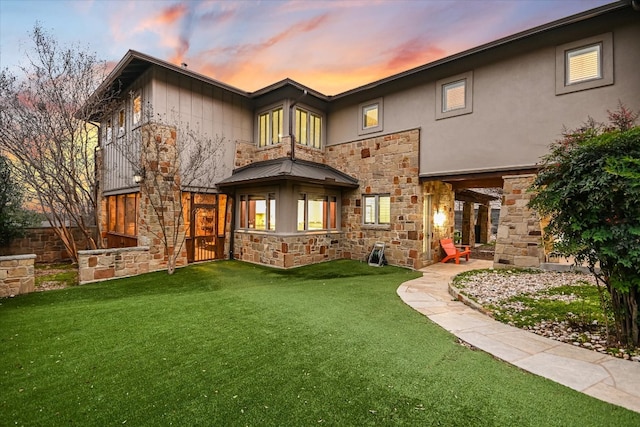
<point x="292" y="137"/>
<point x="231" y="201"/>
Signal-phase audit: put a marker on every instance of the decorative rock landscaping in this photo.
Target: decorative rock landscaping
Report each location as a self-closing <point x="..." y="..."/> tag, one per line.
<point x="492" y="289"/>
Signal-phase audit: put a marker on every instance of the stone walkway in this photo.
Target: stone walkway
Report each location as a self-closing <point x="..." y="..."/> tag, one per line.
<point x="604" y="377"/>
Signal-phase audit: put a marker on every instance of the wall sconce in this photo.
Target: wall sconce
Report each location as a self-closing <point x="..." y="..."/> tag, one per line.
<point x="439" y="219"/>
<point x="138" y="177"/>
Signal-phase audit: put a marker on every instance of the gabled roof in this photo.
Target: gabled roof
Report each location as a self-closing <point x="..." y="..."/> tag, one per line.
<point x="287" y="169"/>
<point x="134" y="63"/>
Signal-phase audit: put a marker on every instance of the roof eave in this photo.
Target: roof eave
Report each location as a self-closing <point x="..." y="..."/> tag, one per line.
<point x="487" y="46"/>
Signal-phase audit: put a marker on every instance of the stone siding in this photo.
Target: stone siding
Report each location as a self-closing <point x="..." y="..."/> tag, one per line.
<point x="104" y="264"/>
<point x="247" y="152"/>
<point x="17" y="275"/>
<point x="160" y="196"/>
<point x="443" y="201"/>
<point x="288" y="251"/>
<point x="386" y="164"/>
<point x="44" y="243"/>
<point x="519" y="241"/>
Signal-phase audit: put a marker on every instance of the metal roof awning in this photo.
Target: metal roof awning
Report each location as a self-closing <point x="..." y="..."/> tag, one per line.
<point x="284" y="169"/>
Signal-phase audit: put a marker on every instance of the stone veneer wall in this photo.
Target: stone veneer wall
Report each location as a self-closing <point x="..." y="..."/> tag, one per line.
<point x="288" y="251"/>
<point x="386" y="164"/>
<point x="519" y="241"/>
<point x="442" y="200"/>
<point x="247" y="152"/>
<point x="44" y="243"/>
<point x="17" y="275"/>
<point x="103" y="264"/>
<point x="160" y="195"/>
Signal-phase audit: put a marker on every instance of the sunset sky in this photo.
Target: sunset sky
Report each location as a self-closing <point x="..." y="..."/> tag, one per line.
<point x="330" y="46"/>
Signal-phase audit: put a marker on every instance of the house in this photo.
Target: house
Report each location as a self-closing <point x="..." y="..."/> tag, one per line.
<point x="307" y="177"/>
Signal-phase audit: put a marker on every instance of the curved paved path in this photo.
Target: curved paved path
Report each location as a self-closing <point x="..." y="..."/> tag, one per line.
<point x="604" y="377"/>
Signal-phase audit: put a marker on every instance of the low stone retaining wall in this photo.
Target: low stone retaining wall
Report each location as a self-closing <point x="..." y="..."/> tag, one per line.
<point x="103" y="264"/>
<point x="17" y="275"/>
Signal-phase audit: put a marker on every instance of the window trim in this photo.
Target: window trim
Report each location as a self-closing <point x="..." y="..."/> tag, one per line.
<point x="122" y="121"/>
<point x="605" y="41"/>
<point x="269" y="112"/>
<point x="327" y="197"/>
<point x="119" y="212"/>
<point x="310" y="115"/>
<point x="108" y="131"/>
<point x="467" y="78"/>
<point x="270" y="217"/>
<point x="376" y="198"/>
<point x="362" y="130"/>
<point x="136" y="123"/>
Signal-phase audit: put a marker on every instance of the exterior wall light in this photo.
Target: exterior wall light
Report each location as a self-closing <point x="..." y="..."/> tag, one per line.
<point x="439" y="219"/>
<point x="138" y="177"/>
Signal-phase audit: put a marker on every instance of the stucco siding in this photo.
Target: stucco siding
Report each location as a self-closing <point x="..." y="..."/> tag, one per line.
<point x="516" y="111"/>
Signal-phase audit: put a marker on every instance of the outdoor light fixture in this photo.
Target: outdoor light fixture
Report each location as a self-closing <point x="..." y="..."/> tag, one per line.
<point x="439" y="218"/>
<point x="138" y="177"/>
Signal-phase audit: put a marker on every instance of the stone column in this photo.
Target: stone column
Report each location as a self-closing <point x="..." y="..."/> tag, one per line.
<point x="484" y="223"/>
<point x="160" y="218"/>
<point x="442" y="201"/>
<point x="468" y="224"/>
<point x="519" y="241"/>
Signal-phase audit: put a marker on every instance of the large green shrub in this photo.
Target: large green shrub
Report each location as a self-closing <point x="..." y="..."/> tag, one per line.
<point x="589" y="188"/>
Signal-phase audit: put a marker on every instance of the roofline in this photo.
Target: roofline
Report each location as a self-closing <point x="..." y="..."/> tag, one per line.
<point x="621" y="4"/>
<point x="133" y="54"/>
<point x="288" y="82"/>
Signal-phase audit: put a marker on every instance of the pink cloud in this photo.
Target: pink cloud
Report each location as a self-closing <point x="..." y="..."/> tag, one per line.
<point x="411" y="54"/>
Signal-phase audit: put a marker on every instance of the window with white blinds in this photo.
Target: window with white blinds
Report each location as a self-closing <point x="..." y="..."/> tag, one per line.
<point x="453" y="96"/>
<point x="584" y="64"/>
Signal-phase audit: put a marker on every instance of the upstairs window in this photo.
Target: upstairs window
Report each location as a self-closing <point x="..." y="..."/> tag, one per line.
<point x="136" y="109"/>
<point x="377" y="209"/>
<point x="270" y="127"/>
<point x="583" y="64"/>
<point x="109" y="131"/>
<point x="122" y="120"/>
<point x="370" y="117"/>
<point x="454" y="96"/>
<point x="308" y="128"/>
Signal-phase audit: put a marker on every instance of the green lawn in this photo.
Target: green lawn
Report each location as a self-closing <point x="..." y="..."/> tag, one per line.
<point x="229" y="343"/>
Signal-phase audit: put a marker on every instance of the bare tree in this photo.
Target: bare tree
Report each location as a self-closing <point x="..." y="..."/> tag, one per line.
<point x="170" y="157"/>
<point x="47" y="133"/>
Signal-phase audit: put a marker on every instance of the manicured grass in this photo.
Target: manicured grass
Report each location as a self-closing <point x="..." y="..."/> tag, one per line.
<point x="61" y="274"/>
<point x="229" y="343"/>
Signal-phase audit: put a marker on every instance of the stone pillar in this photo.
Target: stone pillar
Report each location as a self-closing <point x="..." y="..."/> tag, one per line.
<point x="519" y="241"/>
<point x="442" y="201"/>
<point x="484" y="223"/>
<point x="468" y="224"/>
<point x="161" y="196"/>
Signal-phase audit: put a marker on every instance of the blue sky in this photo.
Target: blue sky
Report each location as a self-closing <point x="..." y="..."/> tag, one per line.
<point x="330" y="46"/>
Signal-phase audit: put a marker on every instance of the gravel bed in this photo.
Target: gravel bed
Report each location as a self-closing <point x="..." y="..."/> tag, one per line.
<point x="495" y="288"/>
